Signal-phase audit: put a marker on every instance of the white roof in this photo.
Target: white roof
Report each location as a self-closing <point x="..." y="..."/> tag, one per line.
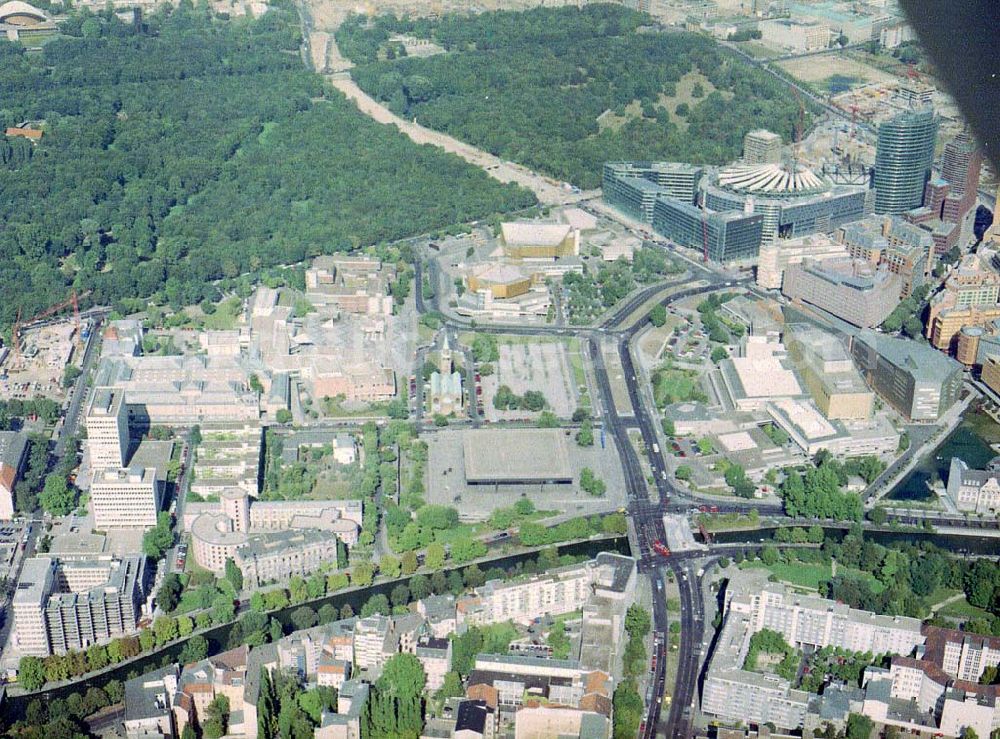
<point x="16" y="7"/>
<point x="770" y="178"/>
<point x="534" y="234"/>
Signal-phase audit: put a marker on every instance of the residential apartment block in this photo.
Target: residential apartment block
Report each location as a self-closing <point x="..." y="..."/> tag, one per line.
<point x="752" y="604"/>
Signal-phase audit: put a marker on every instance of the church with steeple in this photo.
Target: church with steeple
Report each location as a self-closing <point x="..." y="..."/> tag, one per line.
<point x="446" y="384"/>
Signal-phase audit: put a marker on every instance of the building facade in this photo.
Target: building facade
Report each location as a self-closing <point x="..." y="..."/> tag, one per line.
<point x="846" y="288"/>
<point x="918" y="381"/>
<point x="903" y="157"/>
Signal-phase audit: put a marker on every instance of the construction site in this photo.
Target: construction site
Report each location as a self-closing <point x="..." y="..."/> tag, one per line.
<point x="42" y="348"/>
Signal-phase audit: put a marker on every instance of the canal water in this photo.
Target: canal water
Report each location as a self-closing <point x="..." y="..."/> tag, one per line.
<point x="14" y="706"/>
<point x="970" y="441"/>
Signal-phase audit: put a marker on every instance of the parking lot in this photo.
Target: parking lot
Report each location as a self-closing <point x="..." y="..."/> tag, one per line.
<point x="532" y="365"/>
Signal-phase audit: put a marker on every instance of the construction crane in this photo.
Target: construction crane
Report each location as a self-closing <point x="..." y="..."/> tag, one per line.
<point x="19" y="325"/>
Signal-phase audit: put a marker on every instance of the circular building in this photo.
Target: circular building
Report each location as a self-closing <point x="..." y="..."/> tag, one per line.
<point x="213" y="541"/>
<point x="792" y="199"/>
<point x="17" y="13"/>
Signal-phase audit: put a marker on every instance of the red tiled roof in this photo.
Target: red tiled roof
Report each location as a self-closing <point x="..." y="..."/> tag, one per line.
<point x="28" y="133"/>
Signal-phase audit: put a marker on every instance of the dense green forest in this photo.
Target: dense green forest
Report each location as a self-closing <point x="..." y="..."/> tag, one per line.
<point x="530" y="87"/>
<point x="191" y="149"/>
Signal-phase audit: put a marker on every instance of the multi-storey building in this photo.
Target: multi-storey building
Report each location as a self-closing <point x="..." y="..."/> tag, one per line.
<point x="960" y="167"/>
<point x="974" y="490"/>
<point x="810" y="621"/>
<point x="752" y="604"/>
<point x="778" y="256"/>
<point x="107" y="429"/>
<point x="919" y="382"/>
<point x="13" y="456"/>
<point x="148" y="700"/>
<point x="440" y="614"/>
<point x="131" y="497"/>
<point x="829" y="374"/>
<point x="374" y="642"/>
<point x="561" y="590"/>
<point x="202" y="682"/>
<point x="969" y="298"/>
<point x="849" y="289"/>
<point x="761" y="147"/>
<point x="64" y="605"/>
<point x="903" y="157"/>
<point x="729" y="237"/>
<point x="434" y="654"/>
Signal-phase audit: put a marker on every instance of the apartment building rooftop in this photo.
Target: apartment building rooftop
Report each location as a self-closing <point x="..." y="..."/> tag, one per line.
<point x="148" y="696"/>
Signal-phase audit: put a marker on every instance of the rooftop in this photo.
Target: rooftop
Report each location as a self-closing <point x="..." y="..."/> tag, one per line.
<point x="516" y="455"/>
<point x="528" y="233"/>
<point x="922" y="361"/>
<point x="771" y="179"/>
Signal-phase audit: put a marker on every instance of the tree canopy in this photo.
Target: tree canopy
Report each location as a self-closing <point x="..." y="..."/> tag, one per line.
<point x="190" y="149"/>
<point x="530" y="86"/>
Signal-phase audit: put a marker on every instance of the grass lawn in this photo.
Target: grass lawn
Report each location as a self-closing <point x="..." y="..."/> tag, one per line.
<point x="812" y="574"/>
<point x="962" y="609"/>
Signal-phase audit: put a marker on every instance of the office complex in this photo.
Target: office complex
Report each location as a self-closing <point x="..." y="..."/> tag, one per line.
<point x="131" y="497"/>
<point x="13" y="456"/>
<point x="795" y="35"/>
<point x="63" y="605"/>
<point x="974" y="490"/>
<point x="735" y="211"/>
<point x="729" y="237"/>
<point x="890" y="242"/>
<point x="271" y="540"/>
<point x="761" y="147"/>
<point x="850" y="289"/>
<point x="792" y="199"/>
<point x="829" y="374"/>
<point x="918" y="381"/>
<point x="352" y="284"/>
<point x="968" y="300"/>
<point x="672" y="179"/>
<point x="777" y="256"/>
<point x="903" y="158"/>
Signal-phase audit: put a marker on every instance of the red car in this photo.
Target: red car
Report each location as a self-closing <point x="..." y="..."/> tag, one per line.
<point x="661" y="549"/>
<point x="714" y="509"/>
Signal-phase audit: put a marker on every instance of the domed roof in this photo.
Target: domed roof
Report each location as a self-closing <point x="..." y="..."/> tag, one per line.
<point x="16" y="7"/>
<point x="771" y="179"/>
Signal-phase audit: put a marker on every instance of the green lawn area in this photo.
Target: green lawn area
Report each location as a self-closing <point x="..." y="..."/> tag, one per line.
<point x="758" y="50"/>
<point x="460" y="532"/>
<point x="962" y="609"/>
<point x="812" y="574"/>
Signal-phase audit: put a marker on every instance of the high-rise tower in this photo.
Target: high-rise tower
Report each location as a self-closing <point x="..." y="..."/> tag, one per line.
<point x="903" y="159"/>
